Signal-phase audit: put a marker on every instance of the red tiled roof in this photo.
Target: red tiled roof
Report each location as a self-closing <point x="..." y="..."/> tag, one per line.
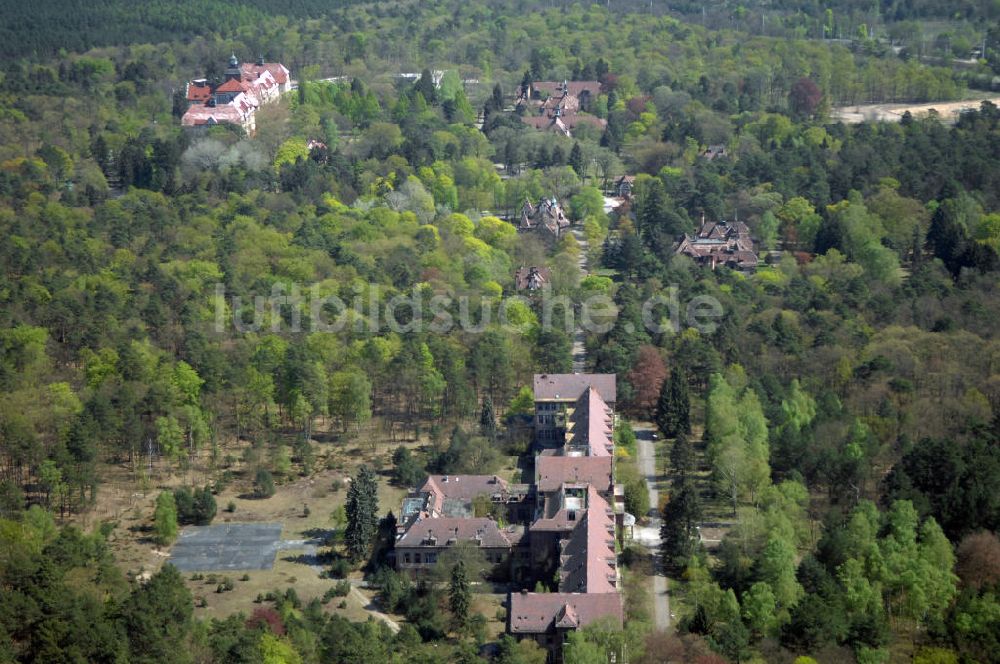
<point x="253" y="70"/>
<point x="569" y="387"/>
<point x="198" y="93"/>
<point x="200" y="114"/>
<point x="232" y="85"/>
<point x="537" y="613"/>
<point x="590" y="424"/>
<point x="551" y="472"/>
<point x="575" y="88"/>
<point x="588" y="562"/>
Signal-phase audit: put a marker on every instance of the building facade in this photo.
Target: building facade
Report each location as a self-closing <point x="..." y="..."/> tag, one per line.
<point x="235" y="101"/>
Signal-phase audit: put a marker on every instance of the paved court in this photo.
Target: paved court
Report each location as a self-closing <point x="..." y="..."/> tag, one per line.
<point x="227" y="546"/>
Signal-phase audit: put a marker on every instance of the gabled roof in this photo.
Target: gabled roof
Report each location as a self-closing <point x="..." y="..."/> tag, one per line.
<point x="232" y="85"/>
<point x="531" y="278"/>
<point x="574" y="88"/>
<point x="588" y="559"/>
<point x="198" y="91"/>
<point x="462" y="488"/>
<point x="442" y="531"/>
<point x="276" y="69"/>
<point x="551" y="472"/>
<point x="567" y="618"/>
<point x="590" y="425"/>
<point x="538" y="613"/>
<point x="569" y="387"/>
<point x="199" y="114"/>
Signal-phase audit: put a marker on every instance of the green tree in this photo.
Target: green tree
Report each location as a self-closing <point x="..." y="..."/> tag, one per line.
<point x="682" y="456"/>
<point x="362" y="514"/>
<point x="576" y="160"/>
<point x="157" y="619"/>
<point x="679" y="535"/>
<point x="459" y="596"/>
<point x="406" y="471"/>
<point x="673" y="409"/>
<point x="350" y="398"/>
<point x="263" y="484"/>
<point x="165" y="518"/>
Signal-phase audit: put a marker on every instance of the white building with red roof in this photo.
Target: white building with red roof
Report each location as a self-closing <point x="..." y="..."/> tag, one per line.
<point x="246" y="88"/>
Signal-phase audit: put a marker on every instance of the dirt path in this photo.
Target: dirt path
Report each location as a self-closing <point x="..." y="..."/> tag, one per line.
<point x="579" y="349"/>
<point x="649" y="536"/>
<point x="369" y="606"/>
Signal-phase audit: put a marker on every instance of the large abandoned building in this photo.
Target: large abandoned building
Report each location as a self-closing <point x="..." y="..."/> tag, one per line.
<point x="559" y="107"/>
<point x="235" y="101"/>
<point x="560" y="530"/>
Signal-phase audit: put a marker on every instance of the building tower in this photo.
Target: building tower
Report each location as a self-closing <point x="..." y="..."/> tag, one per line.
<point x="233" y="72"/>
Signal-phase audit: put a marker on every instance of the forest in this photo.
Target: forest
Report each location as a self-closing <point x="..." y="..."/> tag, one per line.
<point x="841" y="419"/>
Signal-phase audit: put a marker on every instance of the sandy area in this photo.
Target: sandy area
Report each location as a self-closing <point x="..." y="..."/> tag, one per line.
<point x="948" y="110"/>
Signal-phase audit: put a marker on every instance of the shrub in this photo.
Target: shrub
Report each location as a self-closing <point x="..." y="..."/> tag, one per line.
<point x="263" y="484"/>
<point x="340" y="568"/>
<point x="343" y="604"/>
<point x="197" y="507"/>
<point x="231" y="507"/>
<point x="245" y="577"/>
<point x="342" y="589"/>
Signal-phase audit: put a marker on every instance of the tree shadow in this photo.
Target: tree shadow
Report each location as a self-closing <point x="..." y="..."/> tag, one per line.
<point x="319" y="536"/>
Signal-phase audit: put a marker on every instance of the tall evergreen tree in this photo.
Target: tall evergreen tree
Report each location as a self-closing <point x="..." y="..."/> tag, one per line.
<point x="576" y="159"/>
<point x="459" y="595"/>
<point x="673" y="409"/>
<point x="362" y="514"/>
<point x="488" y="420"/>
<point x="682" y="456"/>
<point x="679" y="530"/>
<point x="157" y="618"/>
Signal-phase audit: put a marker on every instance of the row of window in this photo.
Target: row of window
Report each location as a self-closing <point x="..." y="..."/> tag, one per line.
<point x="418" y="559"/>
<point x="431" y="558"/>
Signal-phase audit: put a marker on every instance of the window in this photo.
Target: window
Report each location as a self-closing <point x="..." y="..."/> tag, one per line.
<point x="416" y="558"/>
<point x="430" y="558"/>
<point x="406" y="558"/>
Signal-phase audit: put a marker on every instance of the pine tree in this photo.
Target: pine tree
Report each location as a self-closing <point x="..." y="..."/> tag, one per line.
<point x="362" y="514"/>
<point x="679" y="530"/>
<point x="459" y="595"/>
<point x="488" y="420"/>
<point x="673" y="409"/>
<point x="682" y="456"/>
<point x="576" y="159"/>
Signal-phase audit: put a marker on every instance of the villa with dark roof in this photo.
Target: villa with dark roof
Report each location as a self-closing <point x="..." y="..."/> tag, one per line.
<point x="725" y="243"/>
<point x="547" y="218"/>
